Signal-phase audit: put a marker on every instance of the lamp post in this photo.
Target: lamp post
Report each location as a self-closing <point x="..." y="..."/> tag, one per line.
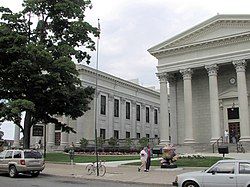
<point x="96" y="96"/>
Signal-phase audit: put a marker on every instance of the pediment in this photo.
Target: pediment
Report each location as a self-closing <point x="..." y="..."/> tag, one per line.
<point x="230" y="93"/>
<point x="216" y="28"/>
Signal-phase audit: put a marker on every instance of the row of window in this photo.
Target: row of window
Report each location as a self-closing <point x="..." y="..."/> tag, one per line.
<point x="128" y="110"/>
<point x="116" y="134"/>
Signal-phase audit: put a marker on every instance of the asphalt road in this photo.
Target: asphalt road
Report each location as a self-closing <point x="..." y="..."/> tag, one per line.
<point x="54" y="181"/>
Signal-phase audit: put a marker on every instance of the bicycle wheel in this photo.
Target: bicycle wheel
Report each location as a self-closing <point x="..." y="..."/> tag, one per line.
<point x="90" y="169"/>
<point x="102" y="170"/>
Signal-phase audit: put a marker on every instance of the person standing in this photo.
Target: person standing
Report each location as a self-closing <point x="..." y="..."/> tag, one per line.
<point x="143" y="157"/>
<point x="150" y="154"/>
<point x="226" y="134"/>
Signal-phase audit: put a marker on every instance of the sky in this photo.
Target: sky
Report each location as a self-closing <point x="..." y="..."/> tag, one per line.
<point x="130" y="27"/>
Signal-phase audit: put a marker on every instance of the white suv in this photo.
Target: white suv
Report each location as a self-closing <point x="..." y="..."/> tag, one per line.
<point x="21" y="161"/>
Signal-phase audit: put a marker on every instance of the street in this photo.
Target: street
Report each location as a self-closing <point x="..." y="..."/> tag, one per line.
<point x="54" y="181"/>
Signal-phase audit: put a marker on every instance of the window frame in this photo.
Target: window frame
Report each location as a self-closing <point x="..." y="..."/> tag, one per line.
<point x="103" y="104"/>
<point x="116" y="107"/>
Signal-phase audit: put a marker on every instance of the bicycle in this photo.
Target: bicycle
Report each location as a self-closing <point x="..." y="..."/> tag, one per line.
<point x="92" y="168"/>
<point x="240" y="148"/>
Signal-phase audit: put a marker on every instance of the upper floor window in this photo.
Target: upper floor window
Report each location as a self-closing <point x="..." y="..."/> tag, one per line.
<point x="116" y="108"/>
<point x="138" y="112"/>
<point x="103" y="105"/>
<point x="138" y="135"/>
<point x="147" y="114"/>
<point x="127" y="110"/>
<point x="155" y="116"/>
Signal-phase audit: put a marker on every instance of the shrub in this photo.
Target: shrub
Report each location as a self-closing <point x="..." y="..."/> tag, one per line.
<point x="143" y="142"/>
<point x="84" y="143"/>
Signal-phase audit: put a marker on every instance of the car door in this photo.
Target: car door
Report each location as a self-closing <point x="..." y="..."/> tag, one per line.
<point x="221" y="175"/>
<point x="243" y="178"/>
<point x="6" y="160"/>
<point x="2" y="154"/>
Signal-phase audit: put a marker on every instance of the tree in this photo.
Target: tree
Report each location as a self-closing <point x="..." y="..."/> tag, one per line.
<point x="37" y="72"/>
<point x="112" y="142"/>
<point x="84" y="143"/>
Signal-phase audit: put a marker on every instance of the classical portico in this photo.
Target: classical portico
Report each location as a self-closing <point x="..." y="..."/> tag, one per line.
<point x="209" y="93"/>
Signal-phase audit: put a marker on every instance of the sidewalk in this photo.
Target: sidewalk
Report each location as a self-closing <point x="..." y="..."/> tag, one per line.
<point x="123" y="173"/>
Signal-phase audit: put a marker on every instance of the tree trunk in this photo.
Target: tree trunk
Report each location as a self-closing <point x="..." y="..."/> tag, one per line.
<point x="26" y="133"/>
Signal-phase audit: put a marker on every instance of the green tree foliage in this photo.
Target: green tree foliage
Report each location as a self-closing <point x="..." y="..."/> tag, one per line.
<point x="37" y="72"/>
<point x="84" y="143"/>
<point x="112" y="142"/>
<point x="128" y="142"/>
<point x="100" y="142"/>
<point x="143" y="142"/>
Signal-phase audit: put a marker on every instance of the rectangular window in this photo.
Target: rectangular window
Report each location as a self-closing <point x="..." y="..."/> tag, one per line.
<point x="127" y="110"/>
<point x="103" y="105"/>
<point x="147" y="114"/>
<point x="138" y="112"/>
<point x="116" y="134"/>
<point x="127" y="134"/>
<point x="155" y="116"/>
<point x="147" y="136"/>
<point x="116" y="108"/>
<point x="138" y="135"/>
<point x="102" y="133"/>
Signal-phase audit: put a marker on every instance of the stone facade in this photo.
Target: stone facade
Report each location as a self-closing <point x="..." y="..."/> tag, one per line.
<point x="123" y="124"/>
<point x="206" y="68"/>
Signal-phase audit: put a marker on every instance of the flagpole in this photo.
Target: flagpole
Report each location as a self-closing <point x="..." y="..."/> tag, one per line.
<point x="96" y="96"/>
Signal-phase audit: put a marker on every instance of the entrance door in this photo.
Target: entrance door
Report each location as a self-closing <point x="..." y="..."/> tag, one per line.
<point x="234" y="132"/>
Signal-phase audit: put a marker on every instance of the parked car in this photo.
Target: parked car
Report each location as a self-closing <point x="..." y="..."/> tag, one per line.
<point x="225" y="173"/>
<point x="21" y="161"/>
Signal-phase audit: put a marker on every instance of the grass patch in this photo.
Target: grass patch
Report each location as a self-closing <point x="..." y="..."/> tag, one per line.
<point x="64" y="158"/>
<point x="187" y="162"/>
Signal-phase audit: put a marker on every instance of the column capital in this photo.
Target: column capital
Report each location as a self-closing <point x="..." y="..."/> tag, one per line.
<point x="186" y="73"/>
<point x="163" y="77"/>
<point x="133" y="103"/>
<point x="123" y="100"/>
<point x="143" y="106"/>
<point x="240" y="65"/>
<point x="111" y="97"/>
<point x="212" y="69"/>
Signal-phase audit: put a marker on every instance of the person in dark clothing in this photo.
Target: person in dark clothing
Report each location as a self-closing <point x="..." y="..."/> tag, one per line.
<point x="150" y="154"/>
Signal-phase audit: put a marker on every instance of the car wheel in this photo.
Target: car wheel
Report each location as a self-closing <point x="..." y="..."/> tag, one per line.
<point x="12" y="171"/>
<point x="190" y="184"/>
<point x="35" y="173"/>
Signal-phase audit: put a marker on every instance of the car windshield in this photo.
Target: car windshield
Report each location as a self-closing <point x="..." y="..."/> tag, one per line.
<point x="32" y="154"/>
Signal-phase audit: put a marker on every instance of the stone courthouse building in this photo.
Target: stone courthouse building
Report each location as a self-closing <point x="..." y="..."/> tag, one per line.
<point x="124" y="110"/>
<point x="208" y="72"/>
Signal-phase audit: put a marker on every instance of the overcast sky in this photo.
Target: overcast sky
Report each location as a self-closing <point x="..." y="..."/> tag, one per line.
<point x="130" y="27"/>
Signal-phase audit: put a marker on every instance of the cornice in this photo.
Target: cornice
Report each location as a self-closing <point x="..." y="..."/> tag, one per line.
<point x="203" y="45"/>
<point x="113" y="79"/>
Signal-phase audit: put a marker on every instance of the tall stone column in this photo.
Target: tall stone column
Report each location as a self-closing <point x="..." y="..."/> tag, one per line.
<point x="111" y="115"/>
<point x="240" y="66"/>
<point x="134" y="121"/>
<point x="123" y="117"/>
<point x="64" y="135"/>
<point x="188" y="105"/>
<point x="151" y="122"/>
<point x="16" y="137"/>
<point x="51" y="136"/>
<point x="173" y="109"/>
<point x="214" y="102"/>
<point x="164" y="120"/>
<point x="143" y="120"/>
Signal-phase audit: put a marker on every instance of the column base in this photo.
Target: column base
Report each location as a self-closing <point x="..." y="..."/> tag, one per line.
<point x="189" y="141"/>
<point x="245" y="139"/>
<point x="164" y="142"/>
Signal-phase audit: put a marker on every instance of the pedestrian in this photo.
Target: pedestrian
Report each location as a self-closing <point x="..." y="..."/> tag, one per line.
<point x="72" y="153"/>
<point x="143" y="156"/>
<point x="226" y="134"/>
<point x="150" y="154"/>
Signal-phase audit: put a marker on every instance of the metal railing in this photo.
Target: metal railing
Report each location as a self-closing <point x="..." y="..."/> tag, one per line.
<point x="217" y="142"/>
